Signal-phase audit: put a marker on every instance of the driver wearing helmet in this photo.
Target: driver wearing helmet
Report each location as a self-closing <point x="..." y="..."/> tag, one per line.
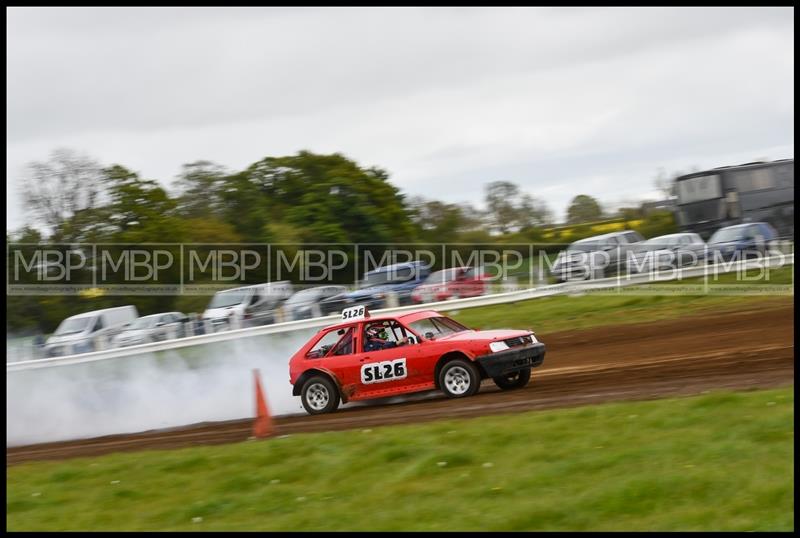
<point x="377" y="339"/>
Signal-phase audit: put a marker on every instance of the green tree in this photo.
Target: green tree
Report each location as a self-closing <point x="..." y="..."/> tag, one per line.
<point x="533" y="212"/>
<point x="509" y="209"/>
<point x="140" y="210"/>
<point x="500" y="204"/>
<point x="327" y="198"/>
<point x="583" y="208"/>
<point x="201" y="187"/>
<point x="439" y="221"/>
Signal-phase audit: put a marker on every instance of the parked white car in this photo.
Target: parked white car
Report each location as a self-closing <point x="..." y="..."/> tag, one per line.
<point x="153" y="328"/>
<point x="90" y="331"/>
<point x="247" y="306"/>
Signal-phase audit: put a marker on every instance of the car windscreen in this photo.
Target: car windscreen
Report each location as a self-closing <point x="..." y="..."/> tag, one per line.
<point x="73" y="325"/>
<point x="146" y="322"/>
<point x="305" y="296"/>
<point x="436" y="327"/>
<point x="658" y="243"/>
<point x="728" y="234"/>
<point x="585" y="246"/>
<point x="228" y="298"/>
<point x="445" y="275"/>
<point x="386" y="276"/>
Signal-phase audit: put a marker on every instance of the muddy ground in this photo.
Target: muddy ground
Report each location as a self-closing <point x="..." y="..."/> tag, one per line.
<point x="740" y="350"/>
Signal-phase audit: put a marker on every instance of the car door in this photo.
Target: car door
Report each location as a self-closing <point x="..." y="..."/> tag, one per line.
<point x="683" y="254"/>
<point x="160" y="329"/>
<point x="753" y="241"/>
<point x="342" y="361"/>
<point x="174" y="325"/>
<point x="698" y="247"/>
<point x="613" y="249"/>
<point x="389" y="371"/>
<point x="474" y="282"/>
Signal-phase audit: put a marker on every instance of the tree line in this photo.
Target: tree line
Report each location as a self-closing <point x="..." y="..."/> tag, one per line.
<point x="302" y="198"/>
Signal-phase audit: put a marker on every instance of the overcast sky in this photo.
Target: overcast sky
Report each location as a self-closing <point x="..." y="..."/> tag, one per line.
<point x="559" y="101"/>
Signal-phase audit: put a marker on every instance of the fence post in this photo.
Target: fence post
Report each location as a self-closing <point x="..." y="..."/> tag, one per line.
<point x="391" y="300"/>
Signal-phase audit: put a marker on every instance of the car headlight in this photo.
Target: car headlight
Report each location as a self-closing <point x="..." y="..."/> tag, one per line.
<point x="498" y="346"/>
<point x="379" y="295"/>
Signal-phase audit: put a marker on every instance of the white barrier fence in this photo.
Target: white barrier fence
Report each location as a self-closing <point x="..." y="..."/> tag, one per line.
<point x="210" y="336"/>
<point x="204" y="378"/>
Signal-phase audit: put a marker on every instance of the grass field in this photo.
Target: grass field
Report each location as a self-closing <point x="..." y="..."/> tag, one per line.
<point x="720" y="461"/>
<point x="629" y="305"/>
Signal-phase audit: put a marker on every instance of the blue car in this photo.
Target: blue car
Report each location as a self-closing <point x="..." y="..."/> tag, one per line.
<point x="374" y="289"/>
<point x="740" y="240"/>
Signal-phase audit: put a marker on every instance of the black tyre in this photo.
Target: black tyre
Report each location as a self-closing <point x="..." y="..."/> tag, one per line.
<point x="319" y="395"/>
<point x="459" y="378"/>
<point x="514" y="380"/>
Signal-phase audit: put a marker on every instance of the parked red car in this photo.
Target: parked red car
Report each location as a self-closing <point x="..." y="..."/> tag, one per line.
<point x="367" y="357"/>
<point x="453" y="283"/>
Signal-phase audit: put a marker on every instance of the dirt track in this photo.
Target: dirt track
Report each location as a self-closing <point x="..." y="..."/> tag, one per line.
<point x="750" y="349"/>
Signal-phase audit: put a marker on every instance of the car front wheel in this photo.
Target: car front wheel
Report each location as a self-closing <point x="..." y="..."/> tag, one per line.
<point x="514" y="380"/>
<point x="459" y="378"/>
<point x="319" y="395"/>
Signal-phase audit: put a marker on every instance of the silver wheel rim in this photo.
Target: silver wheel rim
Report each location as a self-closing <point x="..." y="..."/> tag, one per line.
<point x="457" y="380"/>
<point x="317" y="396"/>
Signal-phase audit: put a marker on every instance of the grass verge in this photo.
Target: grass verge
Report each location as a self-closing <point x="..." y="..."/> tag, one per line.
<point x="634" y="304"/>
<point x="721" y="461"/>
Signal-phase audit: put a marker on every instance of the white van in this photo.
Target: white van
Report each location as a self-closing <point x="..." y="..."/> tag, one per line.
<point x="90" y="331"/>
<point x="247" y="306"/>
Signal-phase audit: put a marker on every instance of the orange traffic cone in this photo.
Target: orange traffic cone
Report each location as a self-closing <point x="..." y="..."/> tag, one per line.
<point x="262" y="426"/>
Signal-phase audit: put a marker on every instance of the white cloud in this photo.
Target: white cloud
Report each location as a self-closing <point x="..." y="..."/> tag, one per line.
<point x="561" y="101"/>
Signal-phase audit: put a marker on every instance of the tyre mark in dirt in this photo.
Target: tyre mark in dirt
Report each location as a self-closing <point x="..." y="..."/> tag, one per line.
<point x="743" y="350"/>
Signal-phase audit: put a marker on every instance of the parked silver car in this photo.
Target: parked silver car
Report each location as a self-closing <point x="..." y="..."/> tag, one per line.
<point x="305" y="304"/>
<point x="667" y="252"/>
<point x="595" y="257"/>
<point x="153" y="328"/>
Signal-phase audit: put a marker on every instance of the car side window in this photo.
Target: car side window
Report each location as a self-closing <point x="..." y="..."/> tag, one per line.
<point x="345" y="345"/>
<point x="325" y="344"/>
<point x="391" y="331"/>
<point x="470" y="274"/>
<point x="632" y="237"/>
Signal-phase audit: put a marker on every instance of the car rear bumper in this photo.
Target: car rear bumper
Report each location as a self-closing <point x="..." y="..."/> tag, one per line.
<point x="511" y="360"/>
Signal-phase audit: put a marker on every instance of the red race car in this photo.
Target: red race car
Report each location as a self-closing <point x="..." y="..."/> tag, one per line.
<point x="453" y="283"/>
<point x="366" y="357"/>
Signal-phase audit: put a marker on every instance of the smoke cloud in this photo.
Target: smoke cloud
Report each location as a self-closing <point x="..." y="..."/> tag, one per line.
<point x="171" y="388"/>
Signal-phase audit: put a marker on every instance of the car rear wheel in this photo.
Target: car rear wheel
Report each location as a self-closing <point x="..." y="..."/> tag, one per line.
<point x="514" y="380"/>
<point x="319" y="395"/>
<point x="459" y="378"/>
